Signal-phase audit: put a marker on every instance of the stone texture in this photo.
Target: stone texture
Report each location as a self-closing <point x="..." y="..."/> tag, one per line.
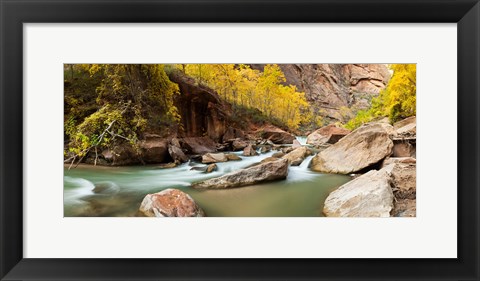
<point x="214" y="158"/>
<point x="177" y="154"/>
<point x="328" y="134"/>
<point x="362" y="148"/>
<point x="276" y="135"/>
<point x="249" y="151"/>
<point x="297" y="156"/>
<point x="198" y="145"/>
<point x="369" y="195"/>
<point x="269" y="171"/>
<point x="170" y="203"/>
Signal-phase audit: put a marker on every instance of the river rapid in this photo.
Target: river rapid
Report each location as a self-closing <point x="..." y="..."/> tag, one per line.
<point x="120" y="190"/>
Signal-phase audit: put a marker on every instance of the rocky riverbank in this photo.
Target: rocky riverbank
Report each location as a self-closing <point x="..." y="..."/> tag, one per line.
<point x="383" y="171"/>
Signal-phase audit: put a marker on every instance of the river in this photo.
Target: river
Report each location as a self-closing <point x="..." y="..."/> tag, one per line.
<point x="301" y="195"/>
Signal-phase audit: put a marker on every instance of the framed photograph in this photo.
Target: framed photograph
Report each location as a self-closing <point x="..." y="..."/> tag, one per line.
<point x="280" y="136"/>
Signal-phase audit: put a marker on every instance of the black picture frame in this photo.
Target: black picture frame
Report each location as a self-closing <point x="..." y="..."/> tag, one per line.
<point x="466" y="13"/>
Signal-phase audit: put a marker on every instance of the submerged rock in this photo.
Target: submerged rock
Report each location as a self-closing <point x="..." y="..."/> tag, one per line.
<point x="362" y="148"/>
<point x="170" y="203"/>
<point x="233" y="157"/>
<point x="369" y="195"/>
<point x="269" y="171"/>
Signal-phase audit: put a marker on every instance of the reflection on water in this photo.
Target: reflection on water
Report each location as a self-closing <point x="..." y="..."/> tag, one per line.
<point x="120" y="190"/>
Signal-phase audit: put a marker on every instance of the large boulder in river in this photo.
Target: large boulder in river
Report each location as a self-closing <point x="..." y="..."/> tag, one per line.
<point x="154" y="149"/>
<point x="362" y="148"/>
<point x="276" y="135"/>
<point x="198" y="145"/>
<point x="328" y="134"/>
<point x="297" y="156"/>
<point x="369" y="195"/>
<point x="170" y="203"/>
<point x="269" y="171"/>
<point x="214" y="158"/>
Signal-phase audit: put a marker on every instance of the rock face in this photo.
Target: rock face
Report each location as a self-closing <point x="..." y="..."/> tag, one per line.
<point x="249" y="151"/>
<point x="276" y="135"/>
<point x="202" y="111"/>
<point x="233" y="133"/>
<point x="369" y="195"/>
<point x="362" y="148"/>
<point x="328" y="134"/>
<point x="269" y="171"/>
<point x="214" y="158"/>
<point x="297" y="156"/>
<point x="331" y="88"/>
<point x="170" y="203"/>
<point x="404" y="179"/>
<point x="403" y="148"/>
<point x="198" y="145"/>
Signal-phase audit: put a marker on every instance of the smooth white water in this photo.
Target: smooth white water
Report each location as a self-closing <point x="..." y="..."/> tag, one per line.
<point x="123" y="188"/>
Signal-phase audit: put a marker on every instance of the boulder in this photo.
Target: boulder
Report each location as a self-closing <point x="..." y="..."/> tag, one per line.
<point x="177" y="154"/>
<point x="276" y="135"/>
<point x="123" y="154"/>
<point x="233" y="157"/>
<point x="175" y="142"/>
<point x="154" y="150"/>
<point x="269" y="171"/>
<point x="211" y="168"/>
<point x="360" y="149"/>
<point x="249" y="151"/>
<point x="369" y="195"/>
<point x="214" y="158"/>
<point x="239" y="145"/>
<point x="406" y="127"/>
<point x="170" y="203"/>
<point x="328" y="134"/>
<point x="198" y="145"/>
<point x="297" y="156"/>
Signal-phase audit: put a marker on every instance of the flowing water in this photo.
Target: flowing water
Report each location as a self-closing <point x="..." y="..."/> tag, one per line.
<point x="120" y="190"/>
